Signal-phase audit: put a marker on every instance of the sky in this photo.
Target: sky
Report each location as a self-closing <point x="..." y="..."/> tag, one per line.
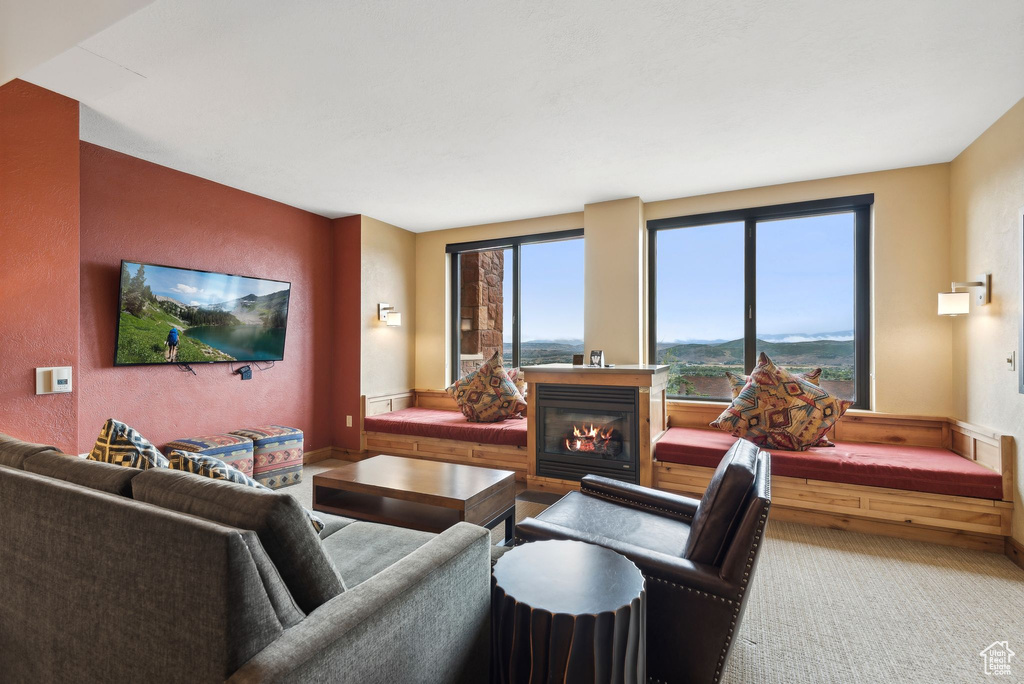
<point x="552" y="277"/>
<point x="196" y="288"/>
<point x="805" y="279"/>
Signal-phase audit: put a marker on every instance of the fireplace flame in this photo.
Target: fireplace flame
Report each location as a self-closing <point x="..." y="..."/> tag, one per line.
<point x="589" y="439"/>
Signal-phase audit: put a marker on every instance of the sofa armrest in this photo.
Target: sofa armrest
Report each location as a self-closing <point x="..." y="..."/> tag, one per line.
<point x="653" y="564"/>
<point x="661" y="503"/>
<point x="424" y="619"/>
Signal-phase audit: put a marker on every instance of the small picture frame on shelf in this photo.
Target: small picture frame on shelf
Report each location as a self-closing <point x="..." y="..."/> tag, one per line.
<point x="597" y="358"/>
<point x="577" y="359"/>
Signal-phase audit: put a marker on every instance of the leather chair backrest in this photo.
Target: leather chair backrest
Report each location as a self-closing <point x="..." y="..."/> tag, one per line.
<point x="722" y="505"/>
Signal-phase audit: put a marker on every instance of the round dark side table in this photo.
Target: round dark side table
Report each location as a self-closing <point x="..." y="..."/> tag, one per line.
<point x="566" y="611"/>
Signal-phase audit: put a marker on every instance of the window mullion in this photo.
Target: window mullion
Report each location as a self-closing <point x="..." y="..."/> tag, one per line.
<point x="517" y="250"/>
<point x="750" y="294"/>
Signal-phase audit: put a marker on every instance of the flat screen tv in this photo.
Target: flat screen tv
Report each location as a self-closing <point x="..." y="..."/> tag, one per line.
<point x="181" y="315"/>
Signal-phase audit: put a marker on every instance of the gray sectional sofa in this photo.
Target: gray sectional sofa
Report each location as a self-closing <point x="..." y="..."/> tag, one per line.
<point x="113" y="574"/>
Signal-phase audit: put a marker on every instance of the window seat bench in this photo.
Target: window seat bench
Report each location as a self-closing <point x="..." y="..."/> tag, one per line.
<point x="428" y="424"/>
<point x="915" y="477"/>
<point x="896" y="466"/>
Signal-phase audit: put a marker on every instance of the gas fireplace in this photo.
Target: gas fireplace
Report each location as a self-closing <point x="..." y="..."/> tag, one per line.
<point x="586" y="429"/>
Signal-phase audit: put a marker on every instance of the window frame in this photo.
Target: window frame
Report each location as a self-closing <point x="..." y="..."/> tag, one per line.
<point x="859" y="205"/>
<point x="455" y="249"/>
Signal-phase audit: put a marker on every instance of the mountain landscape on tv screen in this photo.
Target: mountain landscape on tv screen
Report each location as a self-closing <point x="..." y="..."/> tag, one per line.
<point x="250" y="327"/>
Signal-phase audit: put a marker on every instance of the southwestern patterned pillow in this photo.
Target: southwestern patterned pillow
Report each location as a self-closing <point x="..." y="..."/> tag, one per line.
<point x="487" y="395"/>
<point x="737" y="382"/>
<point x="124" y="446"/>
<point x="780" y="410"/>
<point x="516" y="376"/>
<point x="216" y="469"/>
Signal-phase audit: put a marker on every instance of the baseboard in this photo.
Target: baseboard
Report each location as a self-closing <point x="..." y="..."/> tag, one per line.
<point x="325" y="453"/>
<point x="1015" y="551"/>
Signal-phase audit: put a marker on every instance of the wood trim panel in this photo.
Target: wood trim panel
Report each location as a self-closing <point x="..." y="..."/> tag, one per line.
<point x="451" y="450"/>
<point x="434" y="399"/>
<point x="1015" y="551"/>
<point x="908" y="509"/>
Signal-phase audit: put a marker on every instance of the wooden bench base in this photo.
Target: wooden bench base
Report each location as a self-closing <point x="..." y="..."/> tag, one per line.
<point x="964" y="521"/>
<point x="453" y="451"/>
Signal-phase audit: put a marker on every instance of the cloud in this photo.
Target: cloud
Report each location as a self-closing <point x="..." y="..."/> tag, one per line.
<point x="185" y="289"/>
<point x="815" y="338"/>
<point x="193" y="303"/>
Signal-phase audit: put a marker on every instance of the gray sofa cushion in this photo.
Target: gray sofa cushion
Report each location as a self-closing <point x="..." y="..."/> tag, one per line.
<point x="100" y="588"/>
<point x="332" y="523"/>
<point x="105" y="477"/>
<point x="13" y="451"/>
<point x="363" y="549"/>
<point x="276" y="517"/>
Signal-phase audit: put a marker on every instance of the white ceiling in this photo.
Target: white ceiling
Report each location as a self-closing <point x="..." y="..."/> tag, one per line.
<point x="33" y="31"/>
<point x="436" y="114"/>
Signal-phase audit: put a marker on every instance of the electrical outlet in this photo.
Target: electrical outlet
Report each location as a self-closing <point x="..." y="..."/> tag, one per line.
<point x="1011" y="361"/>
<point x="348" y="421"/>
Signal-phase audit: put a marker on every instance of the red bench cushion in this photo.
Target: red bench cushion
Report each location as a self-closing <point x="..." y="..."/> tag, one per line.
<point x="913" y="468"/>
<point x="442" y="424"/>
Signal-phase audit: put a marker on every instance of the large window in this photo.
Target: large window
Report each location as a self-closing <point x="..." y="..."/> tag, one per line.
<point x="522" y="295"/>
<point x="789" y="280"/>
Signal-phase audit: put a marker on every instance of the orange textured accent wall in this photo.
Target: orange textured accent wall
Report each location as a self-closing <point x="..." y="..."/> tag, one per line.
<point x="135" y="210"/>
<point x="39" y="213"/>
<point x="347" y="330"/>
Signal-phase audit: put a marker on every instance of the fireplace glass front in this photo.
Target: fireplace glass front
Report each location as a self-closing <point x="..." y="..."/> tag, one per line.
<point x="586" y="430"/>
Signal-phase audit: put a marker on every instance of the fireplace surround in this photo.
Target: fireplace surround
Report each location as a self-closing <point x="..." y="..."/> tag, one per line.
<point x="593" y="420"/>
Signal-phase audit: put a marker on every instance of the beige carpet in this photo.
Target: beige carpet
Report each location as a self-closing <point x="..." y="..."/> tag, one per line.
<point x="835" y="606"/>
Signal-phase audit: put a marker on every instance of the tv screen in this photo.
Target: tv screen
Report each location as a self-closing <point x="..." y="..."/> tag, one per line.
<point x="179" y="315"/>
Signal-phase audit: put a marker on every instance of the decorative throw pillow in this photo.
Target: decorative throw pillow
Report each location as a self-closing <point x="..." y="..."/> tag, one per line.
<point x="216" y="469"/>
<point x="778" y="409"/>
<point x="737" y="383"/>
<point x="122" y="445"/>
<point x="487" y="395"/>
<point x="516" y="376"/>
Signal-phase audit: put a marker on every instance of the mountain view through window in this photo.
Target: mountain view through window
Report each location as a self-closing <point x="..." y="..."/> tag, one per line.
<point x="805" y="302"/>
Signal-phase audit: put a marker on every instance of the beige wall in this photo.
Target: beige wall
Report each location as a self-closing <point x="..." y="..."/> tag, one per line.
<point x="986" y="199"/>
<point x="613" y="277"/>
<point x="388" y="266"/>
<point x="911" y="350"/>
<point x="911" y="345"/>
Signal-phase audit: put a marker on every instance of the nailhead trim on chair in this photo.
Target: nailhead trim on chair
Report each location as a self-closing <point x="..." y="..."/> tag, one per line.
<point x="633" y="503"/>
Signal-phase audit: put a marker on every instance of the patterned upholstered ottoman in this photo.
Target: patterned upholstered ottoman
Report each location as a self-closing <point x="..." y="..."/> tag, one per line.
<point x="278" y="454"/>
<point x="235" y="450"/>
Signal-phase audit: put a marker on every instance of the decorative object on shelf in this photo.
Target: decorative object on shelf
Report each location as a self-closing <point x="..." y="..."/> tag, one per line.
<point x="781" y="410"/>
<point x="577" y="359"/>
<point x="597" y="358"/>
<point x="388" y="315"/>
<point x="955" y="303"/>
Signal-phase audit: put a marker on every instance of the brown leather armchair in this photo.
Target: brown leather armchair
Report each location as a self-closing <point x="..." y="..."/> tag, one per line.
<point x="698" y="556"/>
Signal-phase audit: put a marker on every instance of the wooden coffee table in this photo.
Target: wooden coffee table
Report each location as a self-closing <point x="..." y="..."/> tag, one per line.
<point x="418" y="494"/>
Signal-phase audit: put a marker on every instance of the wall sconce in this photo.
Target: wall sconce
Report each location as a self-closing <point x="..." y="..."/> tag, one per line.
<point x="387" y="315"/>
<point x="956" y="303"/>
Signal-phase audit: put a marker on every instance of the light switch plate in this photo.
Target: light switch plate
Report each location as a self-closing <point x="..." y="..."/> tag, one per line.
<point x="1011" y="361"/>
